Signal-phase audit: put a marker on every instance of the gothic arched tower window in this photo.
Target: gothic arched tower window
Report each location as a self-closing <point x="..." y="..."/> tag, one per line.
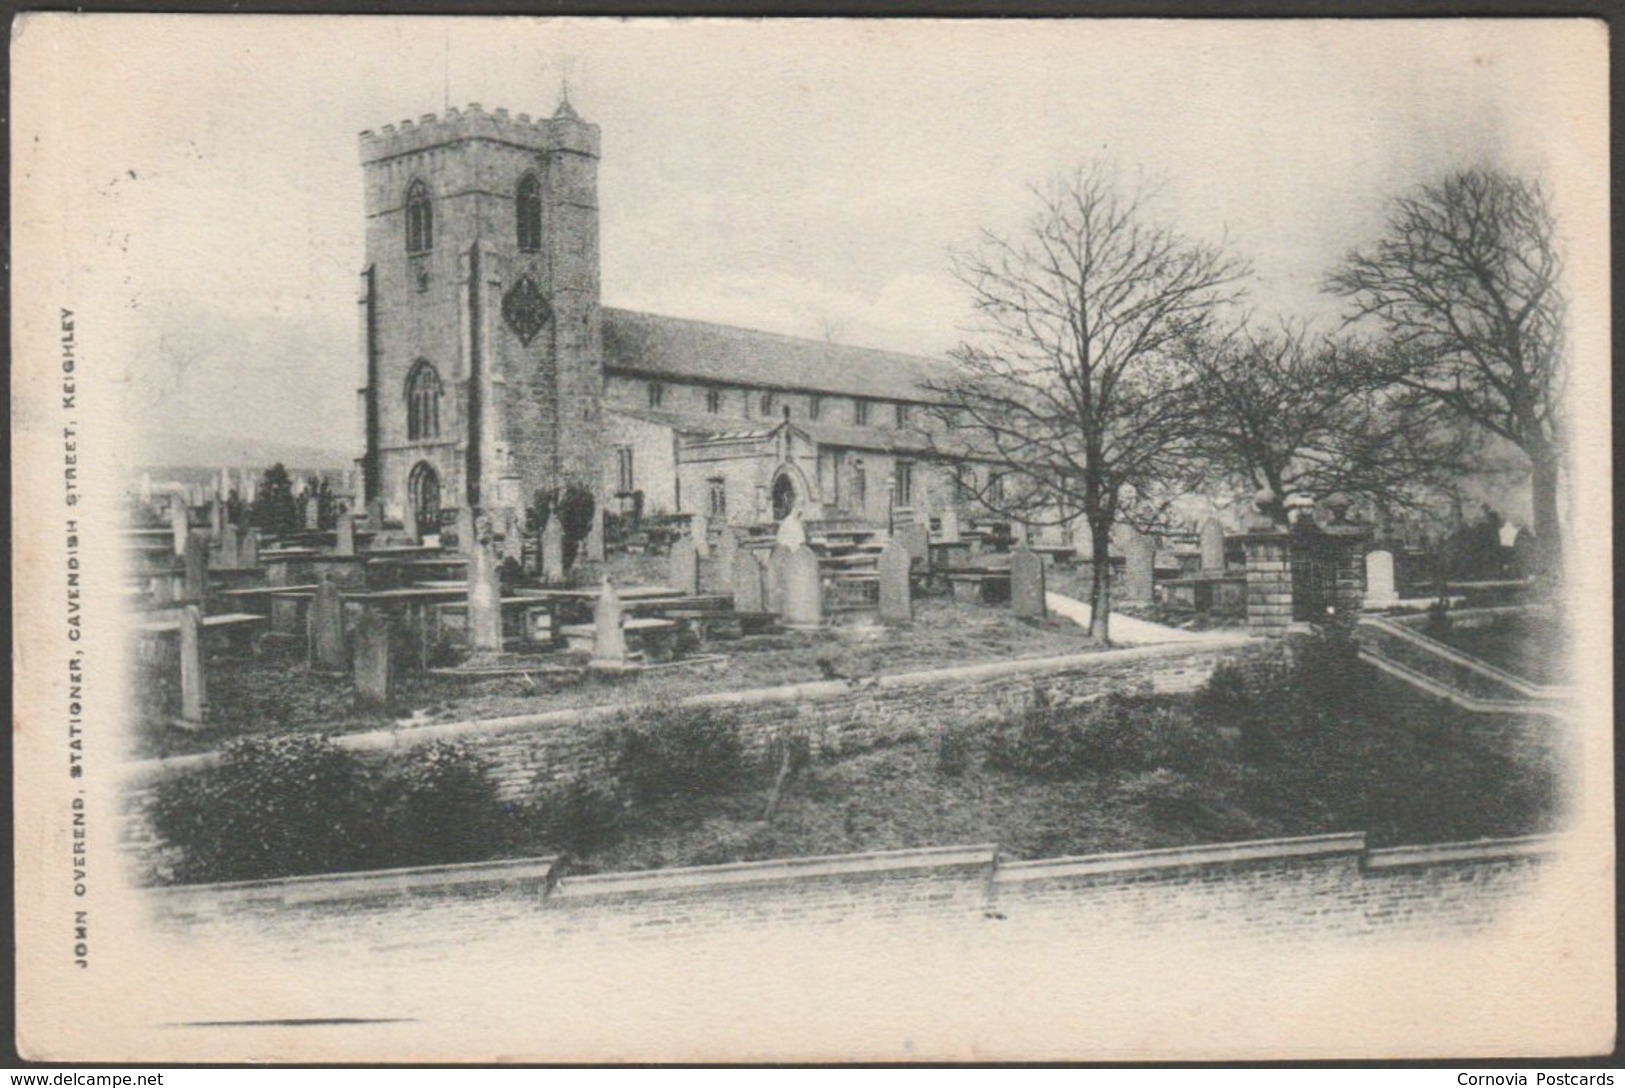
<point x="528" y="213"/>
<point x="419" y="219"/>
<point x="422" y="402"/>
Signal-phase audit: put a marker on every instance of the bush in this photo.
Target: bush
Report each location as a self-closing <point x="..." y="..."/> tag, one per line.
<point x="270" y="807"/>
<point x="1116" y="733"/>
<point x="688" y="752"/>
<point x="440" y="805"/>
<point x="579" y="816"/>
<point x="953" y="753"/>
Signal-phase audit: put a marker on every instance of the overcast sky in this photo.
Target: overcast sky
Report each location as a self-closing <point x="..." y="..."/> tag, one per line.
<point x="794" y="176"/>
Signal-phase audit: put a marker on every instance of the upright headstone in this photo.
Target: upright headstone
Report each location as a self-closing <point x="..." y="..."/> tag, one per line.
<point x="179" y="522"/>
<point x="345" y="540"/>
<point x="727" y="549"/>
<point x="1139" y="554"/>
<point x="748" y="584"/>
<point x="217" y="518"/>
<point x="1379" y="579"/>
<point x="595" y="536"/>
<point x="248" y="550"/>
<point x="896" y="598"/>
<point x="196" y="562"/>
<point x="375" y="514"/>
<point x="373" y="667"/>
<point x="484" y="591"/>
<point x="327" y="627"/>
<point x="791" y="534"/>
<point x="801" y="591"/>
<point x="916" y="538"/>
<point x="1212" y="545"/>
<point x="553" y="550"/>
<point x="1027" y="584"/>
<point x="464" y="530"/>
<point x="230" y="547"/>
<point x="313" y="513"/>
<point x="950" y="526"/>
<point x="194" y="687"/>
<point x="778" y="562"/>
<point x="684" y="574"/>
<point x="409" y="524"/>
<point x="608" y="640"/>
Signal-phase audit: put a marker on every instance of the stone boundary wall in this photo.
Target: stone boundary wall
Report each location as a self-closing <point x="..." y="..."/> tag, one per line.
<point x="835" y="715"/>
<point x="1308" y="886"/>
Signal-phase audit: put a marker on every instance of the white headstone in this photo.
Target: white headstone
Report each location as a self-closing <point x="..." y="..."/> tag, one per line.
<point x="684" y="568"/>
<point x="801" y="590"/>
<point x="553" y="549"/>
<point x="896" y="599"/>
<point x="484" y="592"/>
<point x="1027" y="584"/>
<point x="1139" y="554"/>
<point x="745" y="575"/>
<point x="791" y="533"/>
<point x="1379" y="579"/>
<point x="608" y="640"/>
<point x="194" y="687"/>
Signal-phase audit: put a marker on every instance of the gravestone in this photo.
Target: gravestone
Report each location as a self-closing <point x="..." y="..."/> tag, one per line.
<point x="950" y="526"/>
<point x="608" y="640"/>
<point x="1379" y="579"/>
<point x="726" y="551"/>
<point x="194" y="687"/>
<point x="1027" y="584"/>
<point x="484" y="591"/>
<point x="217" y="518"/>
<point x="409" y="523"/>
<point x="778" y="561"/>
<point x="684" y="567"/>
<point x="248" y="551"/>
<point x="1139" y="553"/>
<point x="699" y="529"/>
<point x="916" y="538"/>
<point x="375" y="515"/>
<point x="595" y="536"/>
<point x="553" y="550"/>
<point x="230" y="547"/>
<point x="326" y="625"/>
<point x="791" y="533"/>
<point x="178" y="523"/>
<point x="345" y="538"/>
<point x="896" y="598"/>
<point x="196" y="562"/>
<point x="1212" y="545"/>
<point x="313" y="513"/>
<point x="801" y="591"/>
<point x="373" y="667"/>
<point x="464" y="529"/>
<point x="748" y="584"/>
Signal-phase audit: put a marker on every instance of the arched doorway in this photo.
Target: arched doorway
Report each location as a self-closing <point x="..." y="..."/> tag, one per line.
<point x="424" y="488"/>
<point x="784" y="496"/>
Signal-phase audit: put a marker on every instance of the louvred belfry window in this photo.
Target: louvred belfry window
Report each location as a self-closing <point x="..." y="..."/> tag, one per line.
<point x="419" y="219"/>
<point x="422" y="402"/>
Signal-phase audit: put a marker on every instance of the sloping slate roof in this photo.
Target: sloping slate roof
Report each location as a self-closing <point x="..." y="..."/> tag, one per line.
<point x="680" y="349"/>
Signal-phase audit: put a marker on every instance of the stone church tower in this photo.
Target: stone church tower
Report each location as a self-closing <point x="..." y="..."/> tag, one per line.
<point x="480" y="313"/>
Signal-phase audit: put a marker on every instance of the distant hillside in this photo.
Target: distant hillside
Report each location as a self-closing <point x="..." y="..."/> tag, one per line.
<point x="216" y="451"/>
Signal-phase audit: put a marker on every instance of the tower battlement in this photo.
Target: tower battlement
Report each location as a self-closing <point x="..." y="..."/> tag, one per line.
<point x="564" y="131"/>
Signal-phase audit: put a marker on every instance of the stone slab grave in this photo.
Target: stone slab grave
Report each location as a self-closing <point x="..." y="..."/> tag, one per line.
<point x="1380" y="590"/>
<point x="326" y="624"/>
<point x="896" y="592"/>
<point x="1212" y="543"/>
<point x="684" y="567"/>
<point x="1027" y="584"/>
<point x="372" y="662"/>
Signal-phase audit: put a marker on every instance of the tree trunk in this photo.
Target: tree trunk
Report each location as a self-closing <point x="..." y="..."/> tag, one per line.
<point x="1543" y="496"/>
<point x="1100" y="595"/>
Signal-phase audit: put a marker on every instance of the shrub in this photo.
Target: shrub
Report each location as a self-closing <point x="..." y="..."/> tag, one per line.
<point x="684" y="752"/>
<point x="1115" y="733"/>
<point x="269" y="807"/>
<point x="439" y="805"/>
<point x="953" y="753"/>
<point x="579" y="815"/>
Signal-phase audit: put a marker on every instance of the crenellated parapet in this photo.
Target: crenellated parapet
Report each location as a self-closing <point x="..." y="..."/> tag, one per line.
<point x="562" y="132"/>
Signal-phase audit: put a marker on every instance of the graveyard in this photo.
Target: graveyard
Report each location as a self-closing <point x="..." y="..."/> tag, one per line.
<point x="862" y="648"/>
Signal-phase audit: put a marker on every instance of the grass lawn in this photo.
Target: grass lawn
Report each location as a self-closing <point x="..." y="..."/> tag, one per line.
<point x="280" y="694"/>
<point x="1528" y="644"/>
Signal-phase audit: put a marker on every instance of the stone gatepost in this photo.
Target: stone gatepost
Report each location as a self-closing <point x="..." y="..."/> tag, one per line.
<point x="373" y="663"/>
<point x="801" y="602"/>
<point x="608" y="640"/>
<point x="1027" y="584"/>
<point x="896" y="594"/>
<point x="684" y="566"/>
<point x="1269" y="580"/>
<point x="194" y="686"/>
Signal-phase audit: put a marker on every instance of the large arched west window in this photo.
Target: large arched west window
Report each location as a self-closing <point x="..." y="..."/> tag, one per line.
<point x="422" y="402"/>
<point x="528" y="213"/>
<point x="419" y="219"/>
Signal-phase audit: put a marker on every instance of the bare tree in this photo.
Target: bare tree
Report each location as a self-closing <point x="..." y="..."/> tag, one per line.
<point x="1282" y="409"/>
<point x="1466" y="281"/>
<point x="1068" y="386"/>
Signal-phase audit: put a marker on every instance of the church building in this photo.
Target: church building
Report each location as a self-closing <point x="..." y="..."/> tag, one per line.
<point x="492" y="369"/>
